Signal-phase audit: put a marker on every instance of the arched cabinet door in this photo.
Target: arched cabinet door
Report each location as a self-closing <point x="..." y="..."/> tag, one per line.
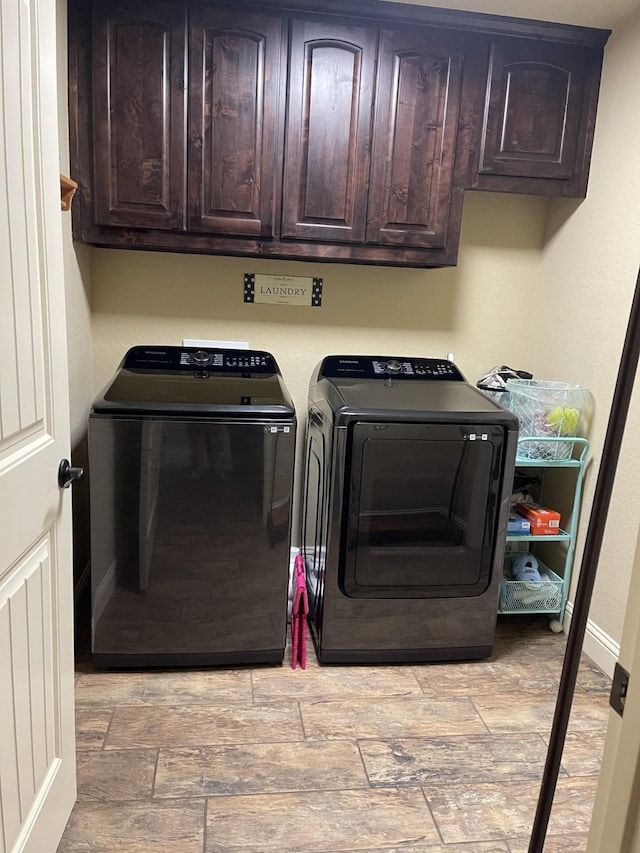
<point x="139" y="115"/>
<point x="233" y="121"/>
<point x="538" y="119"/>
<point x="328" y="131"/>
<point x="411" y="191"/>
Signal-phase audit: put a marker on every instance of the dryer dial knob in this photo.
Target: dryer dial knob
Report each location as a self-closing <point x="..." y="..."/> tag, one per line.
<point x="201" y="357"/>
<point x="393" y="366"/>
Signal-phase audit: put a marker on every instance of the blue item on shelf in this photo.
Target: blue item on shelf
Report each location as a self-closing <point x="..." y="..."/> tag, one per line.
<point x="517" y="525"/>
<point x="524" y="567"/>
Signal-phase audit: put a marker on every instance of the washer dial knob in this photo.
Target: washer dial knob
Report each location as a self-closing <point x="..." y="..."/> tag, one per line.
<point x="393" y="367"/>
<point x="201" y="358"/>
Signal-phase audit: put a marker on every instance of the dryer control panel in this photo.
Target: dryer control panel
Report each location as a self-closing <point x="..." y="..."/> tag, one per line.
<point x="383" y="367"/>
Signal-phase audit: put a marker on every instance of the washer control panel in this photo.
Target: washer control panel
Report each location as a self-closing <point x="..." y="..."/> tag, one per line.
<point x="232" y="360"/>
<point x="385" y="367"/>
<point x="191" y="358"/>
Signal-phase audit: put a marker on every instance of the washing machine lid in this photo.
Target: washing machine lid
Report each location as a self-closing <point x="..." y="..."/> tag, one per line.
<point x="175" y="380"/>
<point x="402" y="387"/>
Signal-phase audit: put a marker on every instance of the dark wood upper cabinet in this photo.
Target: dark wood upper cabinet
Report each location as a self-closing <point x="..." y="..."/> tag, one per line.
<point x="539" y="115"/>
<point x="139" y="115"/>
<point x="414" y="138"/>
<point x="299" y="130"/>
<point x="233" y="121"/>
<point x="370" y="153"/>
<point x="328" y="131"/>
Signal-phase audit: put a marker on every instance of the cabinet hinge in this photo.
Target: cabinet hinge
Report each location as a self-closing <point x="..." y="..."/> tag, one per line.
<point x="619" y="688"/>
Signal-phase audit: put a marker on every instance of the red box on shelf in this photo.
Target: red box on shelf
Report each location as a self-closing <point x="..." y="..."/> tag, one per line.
<point x="544" y="521"/>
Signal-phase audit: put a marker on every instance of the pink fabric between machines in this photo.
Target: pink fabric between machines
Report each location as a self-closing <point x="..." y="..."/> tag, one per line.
<point x="299" y="612"/>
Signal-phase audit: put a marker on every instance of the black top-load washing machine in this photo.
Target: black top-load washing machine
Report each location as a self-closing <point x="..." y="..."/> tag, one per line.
<point x="408" y="475"/>
<point x="191" y="457"/>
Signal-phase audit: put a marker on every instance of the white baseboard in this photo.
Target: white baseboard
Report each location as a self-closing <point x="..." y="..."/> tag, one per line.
<point x="602" y="650"/>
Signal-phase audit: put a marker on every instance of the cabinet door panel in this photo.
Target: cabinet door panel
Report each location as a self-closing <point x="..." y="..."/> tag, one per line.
<point x="139" y="115"/>
<point x="234" y="84"/>
<point x="532" y="112"/>
<point x="418" y="99"/>
<point x="328" y="132"/>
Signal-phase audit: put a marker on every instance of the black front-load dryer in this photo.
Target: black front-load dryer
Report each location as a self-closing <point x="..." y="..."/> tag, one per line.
<point x="408" y="475"/>
<point x="191" y="457"/>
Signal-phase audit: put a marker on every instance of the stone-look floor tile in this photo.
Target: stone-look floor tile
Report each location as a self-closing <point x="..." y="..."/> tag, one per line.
<point x="502" y="676"/>
<point x="446" y="760"/>
<point x="201" y="725"/>
<point x="582" y="754"/>
<point x="125" y="774"/>
<point x="390" y="718"/>
<point x="591" y="678"/>
<point x="334" y="682"/>
<point x="420" y="847"/>
<point x="209" y="749"/>
<point x="553" y="844"/>
<point x="512" y="712"/>
<point x="497" y="810"/>
<point x="573" y="805"/>
<point x="547" y="656"/>
<point x="540" y="644"/>
<point x="500" y="646"/>
<point x="91" y="727"/>
<point x="319" y="822"/>
<point x="171" y="827"/>
<point x="589" y="711"/>
<point x="589" y="674"/>
<point x="504" y="810"/>
<point x="209" y="687"/>
<point x="259" y="768"/>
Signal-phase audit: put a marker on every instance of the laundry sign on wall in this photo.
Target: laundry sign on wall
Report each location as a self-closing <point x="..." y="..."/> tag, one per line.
<point x="283" y="289"/>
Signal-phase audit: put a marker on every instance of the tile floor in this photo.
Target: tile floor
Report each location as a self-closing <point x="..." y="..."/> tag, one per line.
<point x="438" y="758"/>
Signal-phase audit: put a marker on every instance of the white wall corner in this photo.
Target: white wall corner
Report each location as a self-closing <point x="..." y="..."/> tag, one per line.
<point x="600" y="647"/>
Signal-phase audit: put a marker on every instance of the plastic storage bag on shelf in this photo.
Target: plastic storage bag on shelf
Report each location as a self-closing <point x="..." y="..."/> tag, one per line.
<point x="494" y="384"/>
<point x="546" y="409"/>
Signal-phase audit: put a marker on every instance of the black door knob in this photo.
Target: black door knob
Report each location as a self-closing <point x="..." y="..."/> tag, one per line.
<point x="67" y="474"/>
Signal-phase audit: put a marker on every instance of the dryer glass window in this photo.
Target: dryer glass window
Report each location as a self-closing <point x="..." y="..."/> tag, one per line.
<point x="422" y="510"/>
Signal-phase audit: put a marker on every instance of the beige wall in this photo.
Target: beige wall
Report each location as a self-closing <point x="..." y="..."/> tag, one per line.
<point x="146" y="297"/>
<point x="589" y="267"/>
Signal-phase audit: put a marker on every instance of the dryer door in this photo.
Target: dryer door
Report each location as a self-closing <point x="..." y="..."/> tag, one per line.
<point x="421" y="509"/>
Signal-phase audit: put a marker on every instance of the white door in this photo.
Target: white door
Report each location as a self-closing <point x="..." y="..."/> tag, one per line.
<point x="615" y="825"/>
<point x="37" y="766"/>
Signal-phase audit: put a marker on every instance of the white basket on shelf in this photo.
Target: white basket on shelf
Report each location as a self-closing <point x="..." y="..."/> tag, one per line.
<point x="544" y="596"/>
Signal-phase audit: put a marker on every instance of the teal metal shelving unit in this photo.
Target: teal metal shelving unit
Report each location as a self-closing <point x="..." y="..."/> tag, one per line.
<point x="551" y="597"/>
